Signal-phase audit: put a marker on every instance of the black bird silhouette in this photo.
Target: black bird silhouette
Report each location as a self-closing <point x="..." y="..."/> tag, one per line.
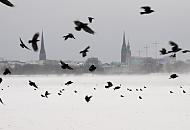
<point x="185" y="51"/>
<point x="87" y="98"/>
<point x="84" y="26"/>
<point x="175" y="47"/>
<point x="117" y="87"/>
<point x="163" y="51"/>
<point x="75" y="91"/>
<point x="23" y="45"/>
<point x="33" y="84"/>
<point x="173" y="76"/>
<point x="34" y="41"/>
<point x="173" y="56"/>
<point x="59" y="94"/>
<point x="6" y="2"/>
<point x="171" y="92"/>
<point x="46" y="94"/>
<point x="84" y="52"/>
<point x="65" y="66"/>
<point x="144" y="86"/>
<point x="90" y="19"/>
<point x="109" y="85"/>
<point x="121" y="96"/>
<point x="140" y="89"/>
<point x="147" y="10"/>
<point x="140" y="97"/>
<point x="1" y="101"/>
<point x="184" y="91"/>
<point x="68" y="83"/>
<point x="1" y="80"/>
<point x="6" y="72"/>
<point x="137" y="90"/>
<point x="92" y="68"/>
<point x="94" y="88"/>
<point x="69" y="35"/>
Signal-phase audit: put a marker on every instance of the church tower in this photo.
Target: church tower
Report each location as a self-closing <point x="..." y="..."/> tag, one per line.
<point x="128" y="54"/>
<point x="123" y="51"/>
<point x="42" y="55"/>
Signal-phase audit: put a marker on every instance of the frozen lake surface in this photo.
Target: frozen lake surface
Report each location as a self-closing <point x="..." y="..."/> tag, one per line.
<point x="158" y="109"/>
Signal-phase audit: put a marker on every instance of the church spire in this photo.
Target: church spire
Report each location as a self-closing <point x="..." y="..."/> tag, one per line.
<point x="123" y="50"/>
<point x="42" y="55"/>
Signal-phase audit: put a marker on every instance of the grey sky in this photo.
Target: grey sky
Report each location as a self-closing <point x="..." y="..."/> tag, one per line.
<point x="171" y="21"/>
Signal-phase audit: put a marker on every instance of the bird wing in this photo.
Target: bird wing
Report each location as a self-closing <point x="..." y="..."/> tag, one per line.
<point x="88" y="29"/>
<point x="146" y="8"/>
<point x="78" y="23"/>
<point x="88" y="47"/>
<point x="1" y="101"/>
<point x="6" y="2"/>
<point x="62" y="63"/>
<point x="36" y="35"/>
<point x="173" y="43"/>
<point x="24" y="44"/>
<point x="35" y="46"/>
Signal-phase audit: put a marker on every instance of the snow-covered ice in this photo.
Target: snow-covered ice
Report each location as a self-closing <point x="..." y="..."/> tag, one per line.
<point x="158" y="109"/>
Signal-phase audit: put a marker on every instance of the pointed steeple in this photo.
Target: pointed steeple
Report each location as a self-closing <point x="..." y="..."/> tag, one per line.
<point x="123" y="50"/>
<point x="42" y="55"/>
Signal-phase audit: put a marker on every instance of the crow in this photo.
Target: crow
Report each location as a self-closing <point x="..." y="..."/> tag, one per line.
<point x="68" y="83"/>
<point x="171" y="92"/>
<point x="84" y="26"/>
<point x="83" y="52"/>
<point x="34" y="41"/>
<point x="121" y="96"/>
<point x="109" y="85"/>
<point x="46" y="94"/>
<point x="175" y="47"/>
<point x="184" y="91"/>
<point x="6" y="2"/>
<point x="92" y="68"/>
<point x="7" y="71"/>
<point x="90" y="19"/>
<point x="23" y="45"/>
<point x="147" y="10"/>
<point x="33" y="84"/>
<point x="117" y="87"/>
<point x="163" y="51"/>
<point x="65" y="66"/>
<point x="87" y="98"/>
<point x="173" y="76"/>
<point x="75" y="91"/>
<point x="69" y="35"/>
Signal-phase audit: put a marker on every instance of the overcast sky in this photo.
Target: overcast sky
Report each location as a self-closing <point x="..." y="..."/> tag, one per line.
<point x="171" y="21"/>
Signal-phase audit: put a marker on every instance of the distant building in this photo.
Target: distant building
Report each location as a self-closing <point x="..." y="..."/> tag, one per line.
<point x="42" y="55"/>
<point x="125" y="52"/>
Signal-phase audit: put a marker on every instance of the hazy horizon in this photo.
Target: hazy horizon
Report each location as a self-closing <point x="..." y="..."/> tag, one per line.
<point x="170" y="21"/>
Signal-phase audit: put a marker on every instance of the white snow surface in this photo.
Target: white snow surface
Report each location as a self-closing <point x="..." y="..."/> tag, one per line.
<point x="25" y="109"/>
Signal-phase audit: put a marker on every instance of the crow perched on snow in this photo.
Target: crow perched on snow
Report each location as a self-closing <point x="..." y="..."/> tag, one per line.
<point x="69" y="35"/>
<point x="84" y="26"/>
<point x="34" y="41"/>
<point x="68" y="83"/>
<point x="6" y="2"/>
<point x="173" y="76"/>
<point x="109" y="85"/>
<point x="87" y="98"/>
<point x="147" y="10"/>
<point x="84" y="52"/>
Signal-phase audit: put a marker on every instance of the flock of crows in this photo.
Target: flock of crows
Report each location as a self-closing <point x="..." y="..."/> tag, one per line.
<point x="84" y="26"/>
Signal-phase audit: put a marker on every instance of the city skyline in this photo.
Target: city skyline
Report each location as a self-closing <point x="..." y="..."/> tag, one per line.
<point x="165" y="24"/>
